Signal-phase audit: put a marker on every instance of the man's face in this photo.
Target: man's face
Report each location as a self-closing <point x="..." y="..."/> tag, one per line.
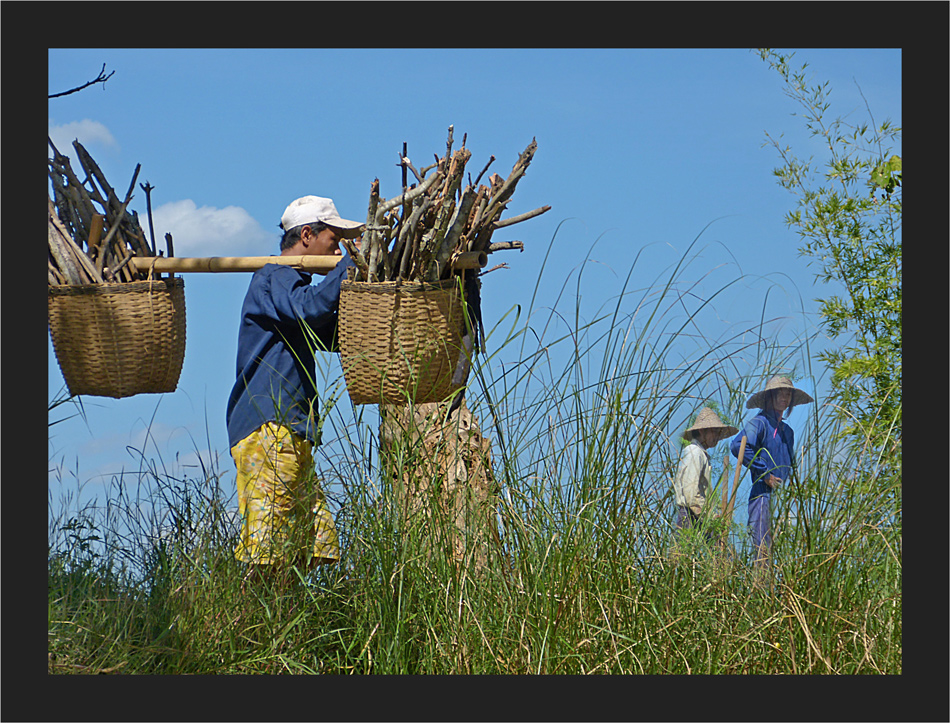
<point x="325" y="243"/>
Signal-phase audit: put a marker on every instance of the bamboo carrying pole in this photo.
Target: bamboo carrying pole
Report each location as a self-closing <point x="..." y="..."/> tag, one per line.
<point x="228" y="264"/>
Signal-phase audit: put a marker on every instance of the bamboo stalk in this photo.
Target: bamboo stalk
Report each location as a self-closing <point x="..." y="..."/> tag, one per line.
<point x="227" y="264"/>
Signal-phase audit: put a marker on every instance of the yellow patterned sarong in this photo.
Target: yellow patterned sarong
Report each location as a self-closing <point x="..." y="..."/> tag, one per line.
<point x="284" y="513"/>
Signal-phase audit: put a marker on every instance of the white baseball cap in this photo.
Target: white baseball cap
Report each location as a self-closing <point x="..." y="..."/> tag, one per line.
<point x="315" y="208"/>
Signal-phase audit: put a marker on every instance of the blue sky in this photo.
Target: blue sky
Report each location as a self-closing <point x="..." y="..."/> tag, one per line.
<point x="638" y="151"/>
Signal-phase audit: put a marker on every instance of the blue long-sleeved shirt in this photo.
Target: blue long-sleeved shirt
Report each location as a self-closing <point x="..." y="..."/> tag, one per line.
<point x="770" y="449"/>
<point x="275" y="364"/>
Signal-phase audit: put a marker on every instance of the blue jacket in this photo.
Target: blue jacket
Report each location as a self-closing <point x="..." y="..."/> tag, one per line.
<point x="770" y="449"/>
<point x="275" y="364"/>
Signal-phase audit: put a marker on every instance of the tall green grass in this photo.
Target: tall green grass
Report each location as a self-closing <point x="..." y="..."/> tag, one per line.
<point x="585" y="575"/>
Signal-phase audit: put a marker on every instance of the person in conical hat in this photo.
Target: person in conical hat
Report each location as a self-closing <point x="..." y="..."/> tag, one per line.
<point x="769" y="453"/>
<point x="692" y="480"/>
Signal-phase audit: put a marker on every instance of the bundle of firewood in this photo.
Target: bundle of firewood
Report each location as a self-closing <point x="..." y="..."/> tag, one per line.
<point x="92" y="234"/>
<point x="417" y="235"/>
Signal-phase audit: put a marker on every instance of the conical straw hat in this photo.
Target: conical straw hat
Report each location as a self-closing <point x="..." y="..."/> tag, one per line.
<point x="708" y="419"/>
<point x="757" y="400"/>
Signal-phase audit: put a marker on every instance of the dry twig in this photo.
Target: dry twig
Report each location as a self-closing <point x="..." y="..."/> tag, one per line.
<point x="86" y="216"/>
<point x="436" y="219"/>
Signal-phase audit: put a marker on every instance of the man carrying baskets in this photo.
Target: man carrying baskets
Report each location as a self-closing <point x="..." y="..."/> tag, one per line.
<point x="272" y="410"/>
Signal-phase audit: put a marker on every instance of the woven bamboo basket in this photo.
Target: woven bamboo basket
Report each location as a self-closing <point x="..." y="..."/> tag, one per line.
<point x="400" y="341"/>
<point x="119" y="339"/>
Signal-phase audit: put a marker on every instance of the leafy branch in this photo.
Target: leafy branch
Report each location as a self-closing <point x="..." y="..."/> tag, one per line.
<point x="849" y="216"/>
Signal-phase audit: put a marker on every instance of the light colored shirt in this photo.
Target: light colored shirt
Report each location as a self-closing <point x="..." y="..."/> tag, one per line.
<point x="692" y="478"/>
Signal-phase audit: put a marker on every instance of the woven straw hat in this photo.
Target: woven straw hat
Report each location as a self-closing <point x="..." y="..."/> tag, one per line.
<point x="708" y="419"/>
<point x="757" y="400"/>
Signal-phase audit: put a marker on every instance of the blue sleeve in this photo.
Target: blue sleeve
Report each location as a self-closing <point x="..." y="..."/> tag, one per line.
<point x="294" y="298"/>
<point x="754" y="458"/>
<point x="735" y="444"/>
<point x="751" y="432"/>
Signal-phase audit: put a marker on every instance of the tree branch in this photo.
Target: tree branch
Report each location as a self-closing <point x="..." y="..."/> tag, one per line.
<point x="101" y="78"/>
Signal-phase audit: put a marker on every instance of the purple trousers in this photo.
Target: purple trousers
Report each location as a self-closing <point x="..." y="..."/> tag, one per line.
<point x="760" y="525"/>
<point x="686" y="519"/>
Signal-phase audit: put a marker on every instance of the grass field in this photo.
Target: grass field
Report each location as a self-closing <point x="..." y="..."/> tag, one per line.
<point x="585" y="575"/>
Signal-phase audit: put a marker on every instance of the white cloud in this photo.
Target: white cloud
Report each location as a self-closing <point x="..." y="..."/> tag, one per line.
<point x="88" y="132"/>
<point x="204" y="231"/>
<point x="210" y="231"/>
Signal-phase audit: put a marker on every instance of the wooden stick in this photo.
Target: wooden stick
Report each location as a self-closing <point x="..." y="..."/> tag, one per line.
<point x="76" y="195"/>
<point x="507" y="189"/>
<point x="73" y="262"/>
<point x="490" y="161"/>
<point x="413" y="193"/>
<point x="61" y="255"/>
<point x="407" y="235"/>
<point x="504" y="246"/>
<point x="54" y="275"/>
<point x="481" y="202"/>
<point x="226" y="264"/>
<point x="502" y="222"/>
<point x="723" y="481"/>
<point x="361" y="267"/>
<point x="95" y="233"/>
<point x="406" y="163"/>
<point x="369" y="237"/>
<point x="735" y="483"/>
<point x="148" y="188"/>
<point x="456" y="225"/>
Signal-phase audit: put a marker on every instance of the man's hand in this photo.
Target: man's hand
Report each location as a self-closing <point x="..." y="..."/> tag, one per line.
<point x="773" y="481"/>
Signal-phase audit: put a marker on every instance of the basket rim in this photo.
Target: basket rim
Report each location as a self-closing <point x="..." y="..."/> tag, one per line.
<point x="112" y="287"/>
<point x="389" y="287"/>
